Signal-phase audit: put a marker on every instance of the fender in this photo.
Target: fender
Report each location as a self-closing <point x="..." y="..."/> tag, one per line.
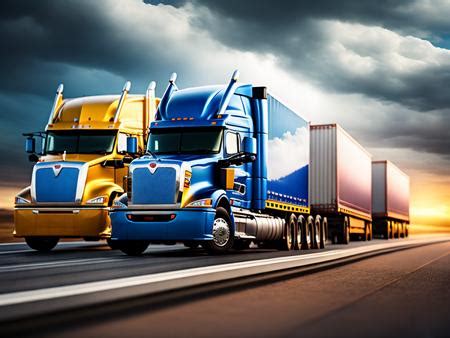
<point x="95" y="188"/>
<point x="219" y="197"/>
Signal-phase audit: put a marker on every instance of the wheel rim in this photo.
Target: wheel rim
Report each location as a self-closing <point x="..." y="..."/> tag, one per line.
<point x="221" y="232"/>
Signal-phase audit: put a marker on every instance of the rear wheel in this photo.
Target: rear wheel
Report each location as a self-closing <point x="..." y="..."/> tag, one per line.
<point x="43" y="244"/>
<point x="290" y="232"/>
<point x="316" y="233"/>
<point x="323" y="233"/>
<point x="299" y="233"/>
<point x="406" y="230"/>
<point x="345" y="232"/>
<point x="307" y="234"/>
<point x="133" y="248"/>
<point x="223" y="238"/>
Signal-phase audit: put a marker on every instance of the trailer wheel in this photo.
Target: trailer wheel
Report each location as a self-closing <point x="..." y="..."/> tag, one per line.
<point x="307" y="234"/>
<point x="345" y="234"/>
<point x="43" y="244"/>
<point x="323" y="233"/>
<point x="290" y="233"/>
<point x="133" y="248"/>
<point x="406" y="230"/>
<point x="299" y="235"/>
<point x="223" y="237"/>
<point x="316" y="233"/>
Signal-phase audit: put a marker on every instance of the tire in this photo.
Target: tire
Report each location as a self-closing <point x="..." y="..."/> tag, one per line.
<point x="133" y="248"/>
<point x="323" y="233"/>
<point x="290" y="232"/>
<point x="406" y="230"/>
<point x="370" y="232"/>
<point x="366" y="231"/>
<point x="386" y="230"/>
<point x="345" y="233"/>
<point x="307" y="234"/>
<point x="391" y="230"/>
<point x="43" y="244"/>
<point x="223" y="237"/>
<point x="299" y="233"/>
<point x="316" y="233"/>
<point x="191" y="244"/>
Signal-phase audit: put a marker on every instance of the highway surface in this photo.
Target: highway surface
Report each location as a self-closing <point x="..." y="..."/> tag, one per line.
<point x="380" y="288"/>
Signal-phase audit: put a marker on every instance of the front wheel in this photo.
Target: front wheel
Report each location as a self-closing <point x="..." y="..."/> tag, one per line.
<point x="43" y="244"/>
<point x="222" y="233"/>
<point x="133" y="248"/>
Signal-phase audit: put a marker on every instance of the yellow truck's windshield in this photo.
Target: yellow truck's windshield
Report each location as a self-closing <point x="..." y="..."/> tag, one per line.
<point x="80" y="142"/>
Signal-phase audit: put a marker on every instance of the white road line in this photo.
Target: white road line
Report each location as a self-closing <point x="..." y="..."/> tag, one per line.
<point x="60" y="263"/>
<point x="197" y="276"/>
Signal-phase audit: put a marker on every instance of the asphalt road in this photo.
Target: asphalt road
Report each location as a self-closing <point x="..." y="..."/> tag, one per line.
<point x="401" y="294"/>
<point x="78" y="262"/>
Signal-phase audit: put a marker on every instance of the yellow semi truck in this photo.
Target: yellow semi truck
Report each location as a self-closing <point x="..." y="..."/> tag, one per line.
<point x="81" y="166"/>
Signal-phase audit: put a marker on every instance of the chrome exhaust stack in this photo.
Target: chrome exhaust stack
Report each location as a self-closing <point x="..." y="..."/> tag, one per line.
<point x="123" y="96"/>
<point x="228" y="93"/>
<point x="56" y="103"/>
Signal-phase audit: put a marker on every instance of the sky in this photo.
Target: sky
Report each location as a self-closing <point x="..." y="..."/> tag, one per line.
<point x="381" y="69"/>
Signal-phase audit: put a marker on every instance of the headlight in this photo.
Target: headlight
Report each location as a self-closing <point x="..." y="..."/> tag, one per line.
<point x="21" y="200"/>
<point x="97" y="200"/>
<point x="119" y="205"/>
<point x="203" y="203"/>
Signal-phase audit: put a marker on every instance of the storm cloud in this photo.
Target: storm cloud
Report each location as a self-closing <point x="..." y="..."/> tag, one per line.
<point x="381" y="69"/>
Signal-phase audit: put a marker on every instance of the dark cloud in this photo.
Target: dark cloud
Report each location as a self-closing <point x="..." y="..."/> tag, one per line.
<point x="296" y="33"/>
<point x="93" y="47"/>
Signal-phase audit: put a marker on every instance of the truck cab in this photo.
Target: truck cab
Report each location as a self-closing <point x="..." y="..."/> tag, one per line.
<point x="205" y="180"/>
<point x="81" y="166"/>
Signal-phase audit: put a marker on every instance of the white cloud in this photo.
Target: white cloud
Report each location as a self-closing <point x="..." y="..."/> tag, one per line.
<point x="288" y="154"/>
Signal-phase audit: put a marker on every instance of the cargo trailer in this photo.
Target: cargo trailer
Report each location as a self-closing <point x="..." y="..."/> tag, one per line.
<point x="390" y="200"/>
<point x="341" y="183"/>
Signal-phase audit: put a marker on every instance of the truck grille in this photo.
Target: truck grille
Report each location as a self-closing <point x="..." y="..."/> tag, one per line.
<point x="158" y="188"/>
<point x="56" y="188"/>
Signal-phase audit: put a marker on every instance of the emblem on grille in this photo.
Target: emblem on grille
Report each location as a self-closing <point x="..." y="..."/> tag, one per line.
<point x="152" y="167"/>
<point x="57" y="169"/>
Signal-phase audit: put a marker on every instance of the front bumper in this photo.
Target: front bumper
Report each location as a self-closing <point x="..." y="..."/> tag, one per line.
<point x="188" y="224"/>
<point x="62" y="222"/>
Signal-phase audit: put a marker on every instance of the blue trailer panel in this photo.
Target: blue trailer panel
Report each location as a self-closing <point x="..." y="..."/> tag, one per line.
<point x="288" y="155"/>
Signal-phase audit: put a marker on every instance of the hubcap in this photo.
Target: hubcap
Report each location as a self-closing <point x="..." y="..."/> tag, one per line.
<point x="221" y="232"/>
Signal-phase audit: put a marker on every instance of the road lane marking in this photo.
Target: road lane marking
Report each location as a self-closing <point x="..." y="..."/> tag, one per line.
<point x="197" y="276"/>
<point x="59" y="263"/>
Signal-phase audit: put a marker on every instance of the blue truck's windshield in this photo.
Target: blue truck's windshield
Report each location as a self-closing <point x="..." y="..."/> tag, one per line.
<point x="80" y="142"/>
<point x="185" y="141"/>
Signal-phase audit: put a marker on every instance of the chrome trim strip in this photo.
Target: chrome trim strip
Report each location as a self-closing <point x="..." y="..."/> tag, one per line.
<point x="78" y="209"/>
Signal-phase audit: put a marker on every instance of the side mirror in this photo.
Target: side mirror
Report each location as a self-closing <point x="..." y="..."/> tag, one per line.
<point x="30" y="145"/>
<point x="249" y="145"/>
<point x="132" y="145"/>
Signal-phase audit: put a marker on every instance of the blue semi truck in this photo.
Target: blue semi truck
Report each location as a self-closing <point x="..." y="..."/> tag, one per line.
<point x="225" y="166"/>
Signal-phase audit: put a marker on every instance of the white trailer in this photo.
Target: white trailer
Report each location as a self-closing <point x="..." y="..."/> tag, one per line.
<point x="390" y="200"/>
<point x="341" y="183"/>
